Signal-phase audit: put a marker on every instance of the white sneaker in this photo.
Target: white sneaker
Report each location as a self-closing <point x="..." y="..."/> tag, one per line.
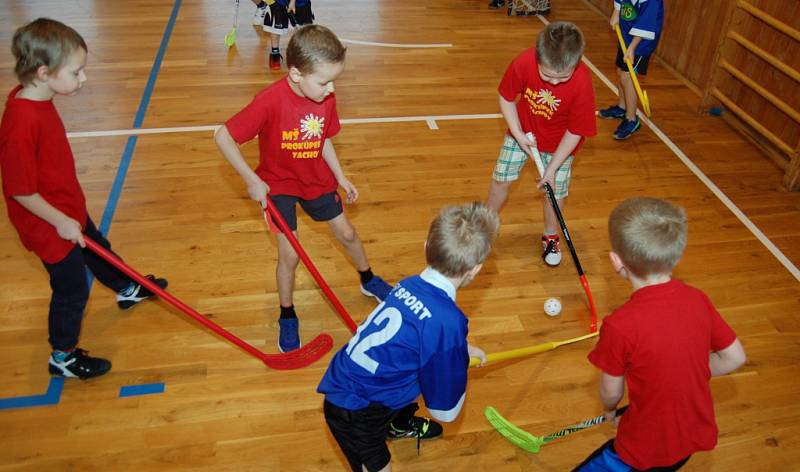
<point x="258" y="17"/>
<point x="551" y="252"/>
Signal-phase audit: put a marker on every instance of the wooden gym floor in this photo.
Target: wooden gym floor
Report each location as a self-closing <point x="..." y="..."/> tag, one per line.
<point x="182" y="212"/>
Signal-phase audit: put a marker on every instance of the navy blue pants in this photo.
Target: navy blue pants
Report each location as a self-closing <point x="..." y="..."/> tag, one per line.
<point x="71" y="288"/>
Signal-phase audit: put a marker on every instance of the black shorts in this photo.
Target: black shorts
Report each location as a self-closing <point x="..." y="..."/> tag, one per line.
<point x="323" y="208"/>
<point x="278" y="19"/>
<point x="640" y="63"/>
<point x="361" y="434"/>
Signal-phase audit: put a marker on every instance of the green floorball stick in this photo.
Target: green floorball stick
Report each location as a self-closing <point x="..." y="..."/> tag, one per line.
<point x="529" y="442"/>
<point x="230" y="38"/>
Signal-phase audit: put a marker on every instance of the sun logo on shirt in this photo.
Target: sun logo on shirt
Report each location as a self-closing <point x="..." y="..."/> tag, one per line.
<point x="311" y="126"/>
<point x="545" y="97"/>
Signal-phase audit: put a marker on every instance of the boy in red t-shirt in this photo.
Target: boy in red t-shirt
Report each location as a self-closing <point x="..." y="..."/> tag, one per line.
<point x="295" y="119"/>
<point x="43" y="196"/>
<point x="666" y="342"/>
<point x="555" y="103"/>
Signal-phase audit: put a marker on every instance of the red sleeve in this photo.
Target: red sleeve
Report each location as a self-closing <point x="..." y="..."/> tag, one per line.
<point x="249" y="122"/>
<point x="513" y="82"/>
<point x="18" y="158"/>
<point x="611" y="353"/>
<point x="334" y="126"/>
<point x="582" y="119"/>
<point x="722" y="335"/>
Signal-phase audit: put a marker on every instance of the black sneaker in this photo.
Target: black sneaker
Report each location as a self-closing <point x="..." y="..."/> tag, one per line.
<point x="79" y="364"/>
<point x="494" y="4"/>
<point x="417" y="427"/>
<point x="136" y="293"/>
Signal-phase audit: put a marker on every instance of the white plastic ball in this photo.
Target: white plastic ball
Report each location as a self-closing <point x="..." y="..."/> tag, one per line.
<point x="552" y="306"/>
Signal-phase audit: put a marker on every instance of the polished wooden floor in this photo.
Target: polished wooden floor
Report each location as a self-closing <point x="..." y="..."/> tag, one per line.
<point x="184" y="213"/>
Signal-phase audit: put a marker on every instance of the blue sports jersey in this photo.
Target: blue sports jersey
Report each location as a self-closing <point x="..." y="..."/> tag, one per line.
<point x="414" y="342"/>
<point x="643" y="18"/>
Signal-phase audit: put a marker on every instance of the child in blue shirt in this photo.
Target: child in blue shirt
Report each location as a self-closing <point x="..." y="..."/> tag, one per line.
<point x="414" y="342"/>
<point x="641" y="22"/>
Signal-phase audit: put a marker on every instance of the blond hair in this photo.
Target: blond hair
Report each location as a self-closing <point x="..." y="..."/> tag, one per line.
<point x="43" y="42"/>
<point x="311" y="45"/>
<point x="560" y="46"/>
<point x="648" y="234"/>
<point x="460" y="238"/>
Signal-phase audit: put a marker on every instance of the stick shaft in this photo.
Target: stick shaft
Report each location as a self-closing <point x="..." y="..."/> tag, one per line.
<point x="527" y="351"/>
<point x="276" y="216"/>
<point x="639" y="91"/>
<point x="164" y="295"/>
<point x="582" y="425"/>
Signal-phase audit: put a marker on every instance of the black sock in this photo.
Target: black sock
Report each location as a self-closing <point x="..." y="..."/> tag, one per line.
<point x="366" y="275"/>
<point x="287" y="313"/>
<point x="275" y="51"/>
<point x="262" y="4"/>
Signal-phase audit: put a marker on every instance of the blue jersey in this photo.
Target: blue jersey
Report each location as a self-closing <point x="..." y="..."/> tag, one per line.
<point x="415" y="342"/>
<point x="643" y="18"/>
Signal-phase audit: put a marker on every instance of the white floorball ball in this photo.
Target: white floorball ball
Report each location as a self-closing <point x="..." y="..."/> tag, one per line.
<point x="552" y="306"/>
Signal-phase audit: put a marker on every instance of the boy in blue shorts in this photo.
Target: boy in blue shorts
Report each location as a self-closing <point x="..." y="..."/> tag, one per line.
<point x="413" y="343"/>
<point x="546" y="92"/>
<point x="641" y="22"/>
<point x="666" y="342"/>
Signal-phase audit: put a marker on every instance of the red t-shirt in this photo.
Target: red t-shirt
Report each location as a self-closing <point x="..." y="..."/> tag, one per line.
<point x="291" y="133"/>
<point x="35" y="157"/>
<point x="660" y="340"/>
<point x="549" y="110"/>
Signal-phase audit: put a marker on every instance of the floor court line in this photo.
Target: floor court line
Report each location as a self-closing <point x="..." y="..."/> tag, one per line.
<point x="396" y="45"/>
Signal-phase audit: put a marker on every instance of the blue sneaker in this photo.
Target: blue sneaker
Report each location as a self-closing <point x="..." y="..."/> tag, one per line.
<point x="288" y="340"/>
<point x="627" y="128"/>
<point x="615" y="112"/>
<point x="376" y="288"/>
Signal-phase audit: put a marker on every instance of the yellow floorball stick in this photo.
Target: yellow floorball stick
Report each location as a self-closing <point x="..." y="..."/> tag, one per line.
<point x="641" y="93"/>
<point x="527" y="351"/>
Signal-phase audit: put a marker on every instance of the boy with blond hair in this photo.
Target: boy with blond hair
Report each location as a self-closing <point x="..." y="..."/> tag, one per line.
<point x="413" y="343"/>
<point x="666" y="342"/>
<point x="295" y="119"/>
<point x="546" y="93"/>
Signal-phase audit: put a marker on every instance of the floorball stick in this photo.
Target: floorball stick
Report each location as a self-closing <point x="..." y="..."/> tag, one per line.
<point x="276" y="216"/>
<point x="230" y="38"/>
<point x="537" y="158"/>
<point x="641" y="93"/>
<point x="528" y="351"/>
<point x="529" y="442"/>
<point x="296" y="359"/>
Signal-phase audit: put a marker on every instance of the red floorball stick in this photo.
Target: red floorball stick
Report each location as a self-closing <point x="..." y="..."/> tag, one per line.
<point x="306" y="355"/>
<point x="277" y="218"/>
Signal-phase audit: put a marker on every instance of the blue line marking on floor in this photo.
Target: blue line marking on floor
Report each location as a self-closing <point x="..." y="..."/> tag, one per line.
<point x="143" y="389"/>
<point x="52" y="397"/>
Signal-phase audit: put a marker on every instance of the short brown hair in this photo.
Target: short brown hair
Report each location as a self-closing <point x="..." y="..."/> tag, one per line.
<point x="460" y="238"/>
<point x="311" y="45"/>
<point x="43" y="42"/>
<point x="648" y="234"/>
<point x="560" y="46"/>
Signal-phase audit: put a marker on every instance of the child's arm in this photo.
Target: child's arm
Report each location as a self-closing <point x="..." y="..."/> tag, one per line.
<point x="329" y="154"/>
<point x="568" y="144"/>
<point x="612" y="388"/>
<point x="631" y="52"/>
<point x="509" y="111"/>
<point x="256" y="187"/>
<point x="727" y="360"/>
<point x="66" y="227"/>
<point x="615" y="16"/>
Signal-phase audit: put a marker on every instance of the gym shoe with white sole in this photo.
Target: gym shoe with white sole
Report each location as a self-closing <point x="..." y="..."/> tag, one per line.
<point x="78" y="364"/>
<point x="377" y="288"/>
<point x="136" y="293"/>
<point x="551" y="252"/>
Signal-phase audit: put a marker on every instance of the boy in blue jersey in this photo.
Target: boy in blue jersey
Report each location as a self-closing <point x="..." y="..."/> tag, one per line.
<point x="641" y="22"/>
<point x="415" y="342"/>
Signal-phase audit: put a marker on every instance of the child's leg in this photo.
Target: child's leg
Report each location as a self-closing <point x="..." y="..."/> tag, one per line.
<point x="506" y="170"/>
<point x="622" y="75"/>
<point x="346" y="234"/>
<point x="551" y="224"/>
<point x="107" y="274"/>
<point x="68" y="300"/>
<point x="628" y="91"/>
<point x="287" y="266"/>
<point x="361" y="435"/>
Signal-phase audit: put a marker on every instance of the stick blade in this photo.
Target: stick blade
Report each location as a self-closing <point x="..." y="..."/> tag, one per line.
<point x="299" y="358"/>
<point x="230" y="38"/>
<point x="516" y="436"/>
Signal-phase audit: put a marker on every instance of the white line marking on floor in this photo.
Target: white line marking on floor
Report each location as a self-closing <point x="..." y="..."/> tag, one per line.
<point x="396" y="45"/>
